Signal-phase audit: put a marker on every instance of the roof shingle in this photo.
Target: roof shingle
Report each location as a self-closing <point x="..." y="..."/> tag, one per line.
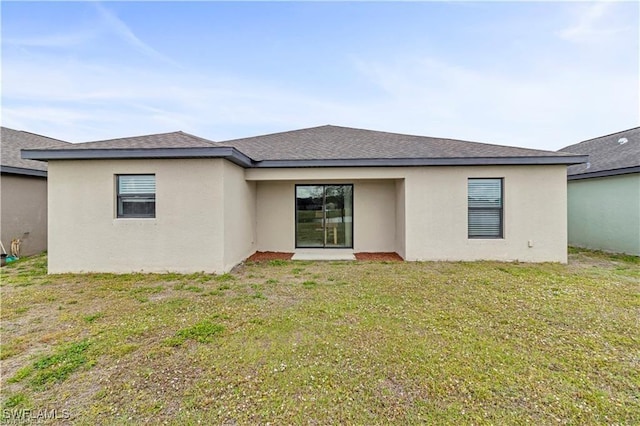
<point x="162" y="140"/>
<point x="12" y="141"/>
<point x="334" y="142"/>
<point x="324" y="146"/>
<point x="606" y="153"/>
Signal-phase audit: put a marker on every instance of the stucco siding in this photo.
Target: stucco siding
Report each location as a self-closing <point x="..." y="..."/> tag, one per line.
<point x="275" y="216"/>
<point x="604" y="213"/>
<point x="326" y="174"/>
<point x="187" y="234"/>
<point x="374" y="219"/>
<point x="239" y="216"/>
<point x="534" y="211"/>
<point x="23" y="212"/>
<point x="211" y="214"/>
<point x="431" y="210"/>
<point x="400" y="219"/>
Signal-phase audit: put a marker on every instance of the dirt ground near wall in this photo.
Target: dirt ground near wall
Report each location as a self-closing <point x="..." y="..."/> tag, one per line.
<point x="379" y="257"/>
<point x="261" y="256"/>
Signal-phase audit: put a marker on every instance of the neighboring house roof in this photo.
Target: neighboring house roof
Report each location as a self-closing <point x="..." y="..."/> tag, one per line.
<point x="610" y="155"/>
<point x="322" y="146"/>
<point x="12" y="141"/>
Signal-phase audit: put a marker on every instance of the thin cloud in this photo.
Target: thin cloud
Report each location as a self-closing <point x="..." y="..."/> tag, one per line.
<point x="57" y="40"/>
<point x="589" y="25"/>
<point x="120" y="100"/>
<point x="428" y="96"/>
<point x="440" y="98"/>
<point x="547" y="100"/>
<point x="123" y="31"/>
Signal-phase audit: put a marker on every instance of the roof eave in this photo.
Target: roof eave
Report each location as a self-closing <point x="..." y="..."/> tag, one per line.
<point x="605" y="173"/>
<point x="22" y="171"/>
<point x="229" y="153"/>
<point x="234" y="155"/>
<point x="415" y="162"/>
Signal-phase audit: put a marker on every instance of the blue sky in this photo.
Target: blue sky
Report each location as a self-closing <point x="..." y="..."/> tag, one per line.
<point x="536" y="74"/>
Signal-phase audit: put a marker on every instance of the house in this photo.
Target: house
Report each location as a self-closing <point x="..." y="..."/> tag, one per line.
<point x="604" y="194"/>
<point x="177" y="202"/>
<point x="23" y="191"/>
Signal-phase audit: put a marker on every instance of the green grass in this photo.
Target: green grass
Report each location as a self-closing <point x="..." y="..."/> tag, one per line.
<point x="202" y="331"/>
<point x="54" y="368"/>
<point x="286" y="342"/>
<point x="15" y="400"/>
<point x="91" y="318"/>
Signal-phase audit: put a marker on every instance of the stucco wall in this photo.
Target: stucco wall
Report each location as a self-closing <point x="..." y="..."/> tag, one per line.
<point x="604" y="213"/>
<point x="275" y="216"/>
<point x="210" y="214"/>
<point x="534" y="210"/>
<point x="400" y="219"/>
<point x="432" y="223"/>
<point x="23" y="212"/>
<point x="187" y="234"/>
<point x="374" y="222"/>
<point x="239" y="215"/>
<point x="373" y="206"/>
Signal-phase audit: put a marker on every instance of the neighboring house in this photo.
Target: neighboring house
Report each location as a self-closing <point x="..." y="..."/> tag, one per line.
<point x="176" y="202"/>
<point x="23" y="191"/>
<point x="604" y="194"/>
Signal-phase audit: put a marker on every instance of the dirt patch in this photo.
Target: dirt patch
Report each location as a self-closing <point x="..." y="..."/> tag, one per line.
<point x="381" y="256"/>
<point x="261" y="256"/>
<point x="588" y="259"/>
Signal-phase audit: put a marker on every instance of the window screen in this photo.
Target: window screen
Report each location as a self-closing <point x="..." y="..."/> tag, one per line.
<point x="136" y="195"/>
<point x="485" y="208"/>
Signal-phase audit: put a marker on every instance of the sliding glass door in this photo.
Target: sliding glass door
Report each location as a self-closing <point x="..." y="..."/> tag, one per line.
<point x="324" y="216"/>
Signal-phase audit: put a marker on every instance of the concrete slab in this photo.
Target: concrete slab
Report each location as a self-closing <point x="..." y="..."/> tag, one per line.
<point x="324" y="255"/>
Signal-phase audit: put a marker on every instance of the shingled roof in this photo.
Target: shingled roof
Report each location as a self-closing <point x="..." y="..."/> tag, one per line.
<point x="12" y="141"/>
<point x="324" y="146"/>
<point x="343" y="143"/>
<point x="614" y="154"/>
<point x="161" y="140"/>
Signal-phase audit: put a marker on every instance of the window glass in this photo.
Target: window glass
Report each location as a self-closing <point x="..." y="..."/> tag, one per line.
<point x="485" y="208"/>
<point x="136" y="196"/>
<point x="324" y="216"/>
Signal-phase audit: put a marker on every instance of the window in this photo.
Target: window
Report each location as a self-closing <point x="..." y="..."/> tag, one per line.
<point x="136" y="195"/>
<point x="485" y="208"/>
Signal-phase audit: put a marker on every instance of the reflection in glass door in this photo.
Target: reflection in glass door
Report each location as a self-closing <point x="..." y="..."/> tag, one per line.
<point x="310" y="216"/>
<point x="324" y="216"/>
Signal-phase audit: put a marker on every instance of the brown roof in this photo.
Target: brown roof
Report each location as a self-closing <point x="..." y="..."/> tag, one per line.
<point x="334" y="142"/>
<point x="12" y="141"/>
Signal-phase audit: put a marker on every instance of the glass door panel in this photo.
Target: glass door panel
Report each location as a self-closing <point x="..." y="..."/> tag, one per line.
<point x="309" y="216"/>
<point x="324" y="216"/>
<point x="339" y="215"/>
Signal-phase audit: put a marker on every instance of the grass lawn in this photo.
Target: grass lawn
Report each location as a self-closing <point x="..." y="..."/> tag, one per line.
<point x="339" y="342"/>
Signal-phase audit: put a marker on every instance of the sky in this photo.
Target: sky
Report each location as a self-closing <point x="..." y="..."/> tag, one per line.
<point x="535" y="74"/>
